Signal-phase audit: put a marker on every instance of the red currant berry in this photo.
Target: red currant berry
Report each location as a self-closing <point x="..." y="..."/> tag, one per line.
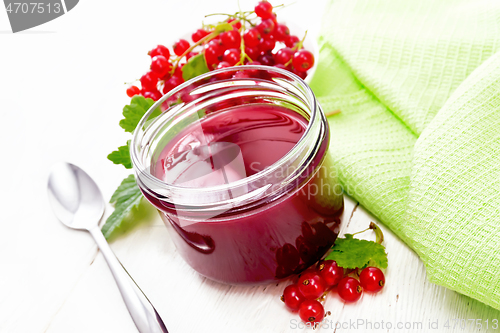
<point x="372" y="279"/>
<point x="231" y="56"/>
<point x="252" y="37"/>
<point x="132" y="91"/>
<point x="274" y="17"/>
<point x="199" y="34"/>
<point x="226" y="75"/>
<point x="149" y="80"/>
<point x="281" y="66"/>
<point x="253" y="72"/>
<point x="153" y="94"/>
<point x="302" y="75"/>
<point x="213" y="53"/>
<point x="160" y="50"/>
<point x="311" y="285"/>
<point x="282" y="32"/>
<point x="264" y="10"/>
<point x="283" y="55"/>
<point x="266" y="59"/>
<point x="349" y="289"/>
<point x="266" y="28"/>
<point x="190" y="55"/>
<point x="252" y="52"/>
<point x="256" y="73"/>
<point x="303" y="60"/>
<point x="236" y="25"/>
<point x="178" y="71"/>
<point x="181" y="46"/>
<point x="171" y="83"/>
<point x="311" y="311"/>
<point x="160" y="65"/>
<point x="330" y="272"/>
<point x="230" y="39"/>
<point x="291" y="40"/>
<point x="292" y="297"/>
<point x="223" y="64"/>
<point x="266" y="45"/>
<point x="165" y="77"/>
<point x="241" y="75"/>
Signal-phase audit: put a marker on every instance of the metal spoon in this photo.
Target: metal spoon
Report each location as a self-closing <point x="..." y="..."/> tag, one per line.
<point x="78" y="204"/>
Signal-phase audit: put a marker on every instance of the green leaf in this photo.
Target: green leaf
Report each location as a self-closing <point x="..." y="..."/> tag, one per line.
<point x="134" y="112"/>
<point x="195" y="66"/>
<point x="223" y="27"/>
<point x="122" y="156"/>
<point x="126" y="198"/>
<point x="350" y="252"/>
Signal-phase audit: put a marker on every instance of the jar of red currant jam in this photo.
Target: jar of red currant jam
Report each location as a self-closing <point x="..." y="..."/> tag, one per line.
<point x="237" y="164"/>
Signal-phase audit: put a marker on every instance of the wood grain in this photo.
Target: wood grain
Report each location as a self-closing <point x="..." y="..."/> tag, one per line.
<point x="191" y="303"/>
<point x="52" y="279"/>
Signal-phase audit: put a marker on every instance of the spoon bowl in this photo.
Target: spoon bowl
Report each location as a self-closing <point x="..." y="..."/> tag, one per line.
<point x="78" y="204"/>
<point x="75" y="198"/>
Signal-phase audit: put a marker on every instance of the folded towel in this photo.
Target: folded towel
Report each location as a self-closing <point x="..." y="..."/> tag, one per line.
<point x="417" y="141"/>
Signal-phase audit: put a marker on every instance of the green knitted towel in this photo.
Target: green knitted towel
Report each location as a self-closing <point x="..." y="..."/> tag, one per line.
<point x="417" y="141"/>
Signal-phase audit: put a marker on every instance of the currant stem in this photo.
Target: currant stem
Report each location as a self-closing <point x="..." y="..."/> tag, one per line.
<point x="378" y="232"/>
<point x="248" y="21"/>
<point x="205" y="39"/>
<point x="242" y="44"/>
<point x="214" y="14"/>
<point x="298" y="46"/>
<point x="359" y="232"/>
<point x="283" y="5"/>
<point x="242" y="16"/>
<point x="322" y="298"/>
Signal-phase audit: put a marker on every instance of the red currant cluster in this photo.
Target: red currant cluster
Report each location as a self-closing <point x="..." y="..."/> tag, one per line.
<point x="252" y="37"/>
<point x="306" y="295"/>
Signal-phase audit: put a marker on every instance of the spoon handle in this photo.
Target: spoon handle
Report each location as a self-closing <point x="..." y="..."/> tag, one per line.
<point x="141" y="310"/>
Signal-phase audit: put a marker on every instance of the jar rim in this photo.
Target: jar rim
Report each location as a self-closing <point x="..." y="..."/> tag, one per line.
<point x="158" y="183"/>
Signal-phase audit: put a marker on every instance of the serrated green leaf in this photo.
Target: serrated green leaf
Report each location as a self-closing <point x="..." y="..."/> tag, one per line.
<point x="122" y="156"/>
<point x="353" y="253"/>
<point x="134" y="112"/>
<point x="195" y="66"/>
<point x="126" y="198"/>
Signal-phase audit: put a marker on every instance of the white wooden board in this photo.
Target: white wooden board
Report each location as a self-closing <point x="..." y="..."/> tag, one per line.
<point x="61" y="92"/>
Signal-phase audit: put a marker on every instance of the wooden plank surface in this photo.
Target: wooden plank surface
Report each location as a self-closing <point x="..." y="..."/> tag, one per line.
<point x="62" y="91"/>
<point x="191" y="303"/>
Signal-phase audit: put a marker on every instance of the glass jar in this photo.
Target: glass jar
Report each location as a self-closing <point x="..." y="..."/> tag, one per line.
<point x="237" y="164"/>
